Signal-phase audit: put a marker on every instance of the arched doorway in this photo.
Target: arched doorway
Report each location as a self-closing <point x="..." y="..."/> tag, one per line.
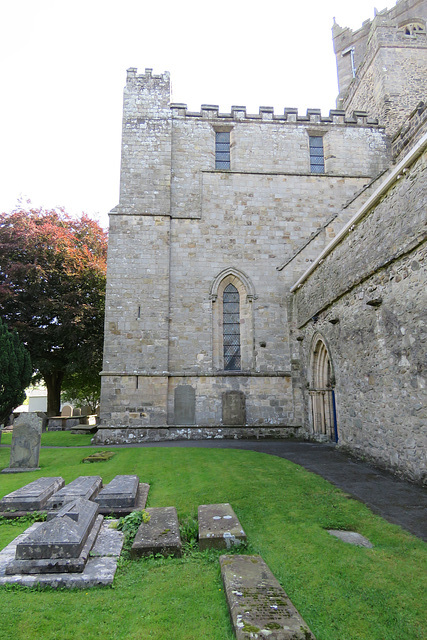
<point x="322" y="392"/>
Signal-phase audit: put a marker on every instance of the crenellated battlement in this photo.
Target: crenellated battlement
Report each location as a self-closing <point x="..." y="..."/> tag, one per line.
<point x="290" y="115"/>
<point x="132" y="75"/>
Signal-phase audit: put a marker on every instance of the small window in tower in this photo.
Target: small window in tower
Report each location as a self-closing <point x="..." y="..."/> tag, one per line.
<point x="317" y="162"/>
<point x="231" y="327"/>
<point x="222" y="150"/>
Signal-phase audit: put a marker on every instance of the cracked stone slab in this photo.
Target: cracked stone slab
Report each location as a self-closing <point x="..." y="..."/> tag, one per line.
<point x="86" y="487"/>
<point x="258" y="605"/>
<point x="99" y="571"/>
<point x="219" y="527"/>
<point x="159" y="535"/>
<point x="33" y="496"/>
<point x="351" y="537"/>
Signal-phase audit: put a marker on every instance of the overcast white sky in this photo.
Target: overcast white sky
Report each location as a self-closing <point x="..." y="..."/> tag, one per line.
<point x="63" y="67"/>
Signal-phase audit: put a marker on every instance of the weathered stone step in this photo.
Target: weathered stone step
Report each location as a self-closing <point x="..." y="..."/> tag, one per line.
<point x="159" y="535"/>
<point x="33" y="496"/>
<point x="259" y="607"/>
<point x="219" y="527"/>
<point x="86" y="487"/>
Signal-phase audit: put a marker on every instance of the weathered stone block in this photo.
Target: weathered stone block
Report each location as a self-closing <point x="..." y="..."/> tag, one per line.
<point x="32" y="497"/>
<point x="99" y="569"/>
<point x="184" y="405"/>
<point x="121" y="492"/>
<point x="233" y="408"/>
<point x="219" y="527"/>
<point x="259" y="607"/>
<point x="63" y="535"/>
<point x="159" y="535"/>
<point x="86" y="487"/>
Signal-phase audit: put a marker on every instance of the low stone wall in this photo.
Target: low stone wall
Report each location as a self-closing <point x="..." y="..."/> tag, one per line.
<point x="111" y="435"/>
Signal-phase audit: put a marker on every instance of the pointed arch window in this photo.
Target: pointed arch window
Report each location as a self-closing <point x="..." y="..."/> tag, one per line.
<point x="231" y="328"/>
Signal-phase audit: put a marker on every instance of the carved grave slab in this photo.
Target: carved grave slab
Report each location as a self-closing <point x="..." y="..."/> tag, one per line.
<point x="219" y="527"/>
<point x="33" y="496"/>
<point x="86" y="487"/>
<point x="159" y="535"/>
<point x="62" y="543"/>
<point x="258" y="605"/>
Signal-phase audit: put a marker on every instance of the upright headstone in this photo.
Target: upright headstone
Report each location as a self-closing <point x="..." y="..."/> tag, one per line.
<point x="233" y="408"/>
<point x="184" y="405"/>
<point x="67" y="411"/>
<point x="26" y="440"/>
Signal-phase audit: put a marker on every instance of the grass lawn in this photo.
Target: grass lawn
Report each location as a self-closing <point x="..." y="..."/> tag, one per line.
<point x="56" y="439"/>
<point x="343" y="592"/>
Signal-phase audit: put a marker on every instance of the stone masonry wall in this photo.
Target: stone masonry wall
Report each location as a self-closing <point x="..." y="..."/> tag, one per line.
<point x="180" y="223"/>
<point x="368" y="301"/>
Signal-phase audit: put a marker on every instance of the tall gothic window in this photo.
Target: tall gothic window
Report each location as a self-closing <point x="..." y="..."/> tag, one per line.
<point x="231" y="328"/>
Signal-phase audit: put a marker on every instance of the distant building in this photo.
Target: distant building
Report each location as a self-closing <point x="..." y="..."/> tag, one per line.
<point x="266" y="273"/>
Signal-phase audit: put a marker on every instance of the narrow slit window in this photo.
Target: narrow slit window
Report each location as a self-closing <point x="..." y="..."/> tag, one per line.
<point x="317" y="160"/>
<point x="222" y="150"/>
<point x="231" y="328"/>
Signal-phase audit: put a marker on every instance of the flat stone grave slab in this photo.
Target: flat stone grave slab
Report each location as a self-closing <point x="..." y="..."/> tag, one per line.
<point x="62" y="543"/>
<point x="120" y="493"/>
<point x="258" y="605"/>
<point x="99" y="569"/>
<point x="219" y="527"/>
<point x="86" y="487"/>
<point x="159" y="535"/>
<point x="351" y="537"/>
<point x="31" y="497"/>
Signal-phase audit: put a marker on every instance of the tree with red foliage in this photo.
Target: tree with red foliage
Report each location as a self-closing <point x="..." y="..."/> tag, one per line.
<point x="52" y="292"/>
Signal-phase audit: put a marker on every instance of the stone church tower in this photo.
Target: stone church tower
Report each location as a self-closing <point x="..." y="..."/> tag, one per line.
<point x="220" y="215"/>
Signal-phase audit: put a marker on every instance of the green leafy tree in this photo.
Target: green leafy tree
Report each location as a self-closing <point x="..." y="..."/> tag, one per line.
<point x="52" y="292"/>
<point x="82" y="389"/>
<point x="15" y="372"/>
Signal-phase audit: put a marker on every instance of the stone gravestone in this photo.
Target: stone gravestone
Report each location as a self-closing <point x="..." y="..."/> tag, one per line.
<point x="31" y="497"/>
<point x="159" y="535"/>
<point x="26" y="439"/>
<point x="259" y="607"/>
<point x="233" y="408"/>
<point x="184" y="405"/>
<point x="219" y="527"/>
<point x="86" y="487"/>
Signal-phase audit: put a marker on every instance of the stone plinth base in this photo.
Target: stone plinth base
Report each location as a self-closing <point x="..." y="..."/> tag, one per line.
<point x="132" y="435"/>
